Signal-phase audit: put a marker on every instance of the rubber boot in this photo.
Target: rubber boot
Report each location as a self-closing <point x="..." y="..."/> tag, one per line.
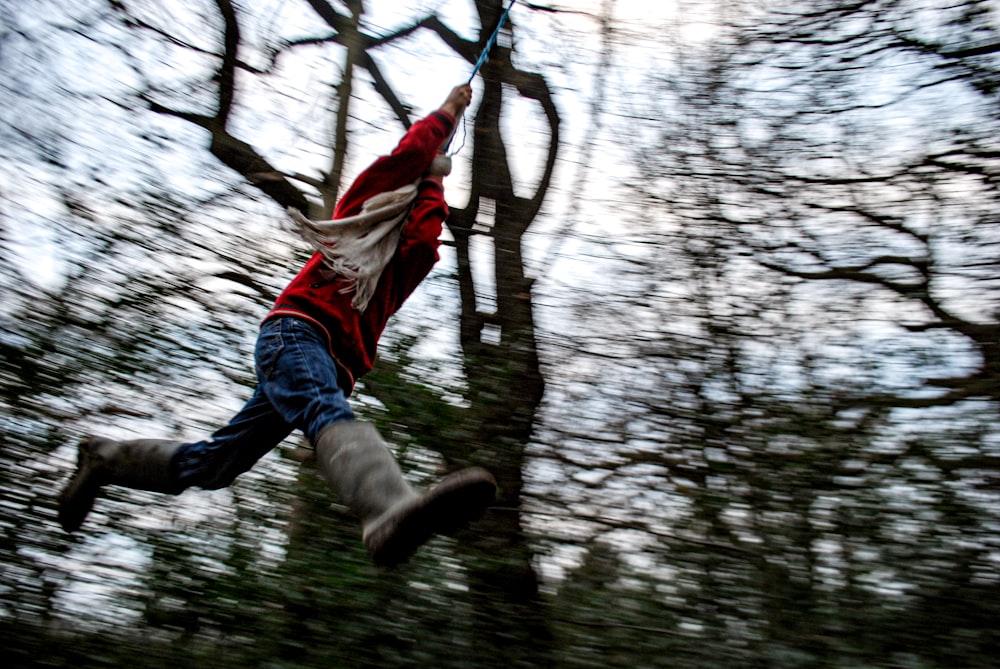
<point x="143" y="464"/>
<point x="396" y="518"/>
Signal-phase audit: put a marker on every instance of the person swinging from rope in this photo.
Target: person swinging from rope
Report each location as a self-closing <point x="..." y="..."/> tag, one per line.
<point x="318" y="339"/>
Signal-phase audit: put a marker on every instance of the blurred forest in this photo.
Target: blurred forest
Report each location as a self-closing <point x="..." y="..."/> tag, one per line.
<point x="719" y="306"/>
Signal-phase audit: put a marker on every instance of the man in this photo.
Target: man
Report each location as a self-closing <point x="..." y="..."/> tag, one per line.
<point x="320" y="336"/>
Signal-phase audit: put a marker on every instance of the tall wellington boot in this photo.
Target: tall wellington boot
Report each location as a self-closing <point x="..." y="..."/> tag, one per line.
<point x="143" y="464"/>
<point x="396" y="518"/>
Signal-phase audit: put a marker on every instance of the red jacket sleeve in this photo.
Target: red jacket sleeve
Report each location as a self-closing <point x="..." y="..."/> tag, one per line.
<point x="408" y="162"/>
<point x="424" y="226"/>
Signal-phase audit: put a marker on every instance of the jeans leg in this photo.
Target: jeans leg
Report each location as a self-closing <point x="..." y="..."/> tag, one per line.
<point x="296" y="388"/>
<point x="214" y="463"/>
<point x="298" y="376"/>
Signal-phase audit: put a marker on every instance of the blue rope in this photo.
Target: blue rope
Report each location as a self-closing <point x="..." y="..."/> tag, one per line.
<point x="489" y="45"/>
<point x="479" y="63"/>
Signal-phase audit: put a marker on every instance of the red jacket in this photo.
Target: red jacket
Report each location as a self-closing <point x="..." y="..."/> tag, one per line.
<point x="315" y="293"/>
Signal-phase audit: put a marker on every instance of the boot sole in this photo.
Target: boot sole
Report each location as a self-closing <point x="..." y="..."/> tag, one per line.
<point x="456" y="501"/>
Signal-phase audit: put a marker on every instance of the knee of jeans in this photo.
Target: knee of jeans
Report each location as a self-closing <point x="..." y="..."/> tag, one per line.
<point x="199" y="465"/>
<point x="206" y="478"/>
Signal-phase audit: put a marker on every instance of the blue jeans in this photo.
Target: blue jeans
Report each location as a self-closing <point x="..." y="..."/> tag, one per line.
<point x="296" y="389"/>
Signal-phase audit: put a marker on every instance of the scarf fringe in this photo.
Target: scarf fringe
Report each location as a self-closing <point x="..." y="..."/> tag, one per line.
<point x="359" y="247"/>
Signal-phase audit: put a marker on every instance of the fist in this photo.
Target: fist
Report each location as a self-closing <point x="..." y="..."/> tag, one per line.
<point x="458" y="100"/>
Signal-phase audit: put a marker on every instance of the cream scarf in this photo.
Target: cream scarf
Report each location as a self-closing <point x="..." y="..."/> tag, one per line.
<point x="360" y="246"/>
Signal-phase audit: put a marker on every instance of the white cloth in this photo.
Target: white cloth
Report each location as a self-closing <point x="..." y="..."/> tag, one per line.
<point x="360" y="246"/>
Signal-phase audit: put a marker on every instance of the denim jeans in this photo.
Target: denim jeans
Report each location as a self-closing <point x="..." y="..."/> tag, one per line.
<point x="296" y="389"/>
